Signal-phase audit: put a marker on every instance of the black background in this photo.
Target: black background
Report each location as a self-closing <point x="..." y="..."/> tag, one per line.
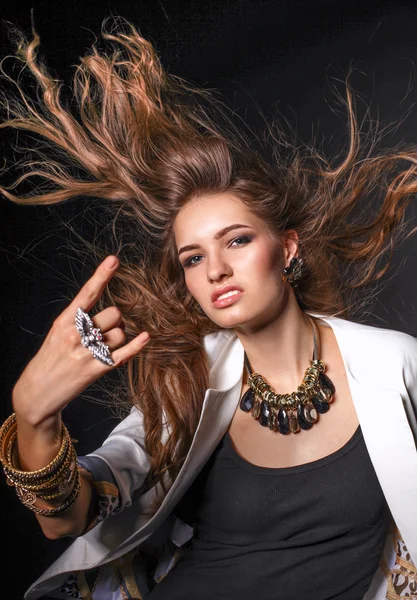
<point x="263" y="56"/>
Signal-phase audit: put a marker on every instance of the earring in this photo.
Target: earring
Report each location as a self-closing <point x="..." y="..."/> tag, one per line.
<point x="294" y="272"/>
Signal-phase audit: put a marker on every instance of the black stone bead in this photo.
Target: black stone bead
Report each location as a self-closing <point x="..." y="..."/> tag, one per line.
<point x="321" y="407"/>
<point x="246" y="402"/>
<point x="283" y="421"/>
<point x="326" y="382"/>
<point x="304" y="424"/>
<point x="263" y="417"/>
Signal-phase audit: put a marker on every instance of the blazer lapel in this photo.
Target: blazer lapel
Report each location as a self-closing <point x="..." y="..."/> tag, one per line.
<point x="391" y="447"/>
<point x="219" y="406"/>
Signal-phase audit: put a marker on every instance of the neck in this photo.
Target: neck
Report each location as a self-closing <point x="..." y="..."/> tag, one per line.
<point x="281" y="351"/>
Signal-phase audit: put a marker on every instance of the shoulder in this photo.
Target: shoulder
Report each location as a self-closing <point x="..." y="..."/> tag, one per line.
<point x="380" y="338"/>
<point x="376" y="352"/>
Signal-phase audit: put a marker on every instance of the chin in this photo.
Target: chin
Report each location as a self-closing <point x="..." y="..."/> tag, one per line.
<point x="231" y="321"/>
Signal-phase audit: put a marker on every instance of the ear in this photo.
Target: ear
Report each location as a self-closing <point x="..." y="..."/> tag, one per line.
<point x="290" y="245"/>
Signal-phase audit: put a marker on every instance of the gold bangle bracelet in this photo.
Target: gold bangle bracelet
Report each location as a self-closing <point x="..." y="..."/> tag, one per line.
<point x="53" y="493"/>
<point x="7" y="432"/>
<point x="38" y="474"/>
<point x="28" y="500"/>
<point x="62" y="489"/>
<point x="48" y="482"/>
<point x="58" y="487"/>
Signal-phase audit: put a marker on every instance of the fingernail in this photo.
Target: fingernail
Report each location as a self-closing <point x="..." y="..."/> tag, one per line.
<point x="145" y="337"/>
<point x="110" y="262"/>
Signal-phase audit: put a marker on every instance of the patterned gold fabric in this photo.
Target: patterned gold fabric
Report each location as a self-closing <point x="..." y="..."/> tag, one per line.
<point x="402" y="577"/>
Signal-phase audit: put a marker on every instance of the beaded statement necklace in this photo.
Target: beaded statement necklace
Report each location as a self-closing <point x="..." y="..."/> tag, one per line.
<point x="287" y="413"/>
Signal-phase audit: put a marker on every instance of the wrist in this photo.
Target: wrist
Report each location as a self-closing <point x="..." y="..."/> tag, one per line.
<point x="45" y="433"/>
<point x="31" y="405"/>
<point x="38" y="444"/>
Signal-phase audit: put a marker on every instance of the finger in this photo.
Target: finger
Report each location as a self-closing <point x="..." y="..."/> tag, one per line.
<point x="108" y="318"/>
<point x="92" y="289"/>
<point x="126" y="352"/>
<point x="114" y="338"/>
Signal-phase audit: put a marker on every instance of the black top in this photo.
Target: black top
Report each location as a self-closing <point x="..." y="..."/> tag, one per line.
<point x="314" y="531"/>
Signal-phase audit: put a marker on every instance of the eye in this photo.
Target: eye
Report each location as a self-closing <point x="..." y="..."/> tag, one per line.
<point x="245" y="239"/>
<point x="189" y="262"/>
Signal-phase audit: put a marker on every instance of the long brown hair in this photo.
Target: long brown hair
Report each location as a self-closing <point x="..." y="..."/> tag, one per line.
<point x="148" y="142"/>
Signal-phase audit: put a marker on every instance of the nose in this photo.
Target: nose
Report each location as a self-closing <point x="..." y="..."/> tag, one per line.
<point x="217" y="268"/>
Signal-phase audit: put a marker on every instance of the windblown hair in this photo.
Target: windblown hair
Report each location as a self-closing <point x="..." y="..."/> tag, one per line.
<point x="149" y="142"/>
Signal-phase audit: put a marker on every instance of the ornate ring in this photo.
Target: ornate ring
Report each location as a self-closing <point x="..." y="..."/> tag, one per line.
<point x="91" y="337"/>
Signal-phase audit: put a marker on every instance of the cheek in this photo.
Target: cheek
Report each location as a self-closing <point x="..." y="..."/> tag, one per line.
<point x="264" y="263"/>
<point x="192" y="281"/>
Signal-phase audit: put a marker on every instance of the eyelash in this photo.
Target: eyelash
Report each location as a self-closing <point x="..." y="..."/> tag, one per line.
<point x="189" y="265"/>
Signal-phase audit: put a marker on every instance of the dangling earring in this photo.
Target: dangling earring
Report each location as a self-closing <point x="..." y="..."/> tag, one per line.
<point x="294" y="272"/>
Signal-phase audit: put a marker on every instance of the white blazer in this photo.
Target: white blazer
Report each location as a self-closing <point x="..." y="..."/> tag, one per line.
<point x="381" y="367"/>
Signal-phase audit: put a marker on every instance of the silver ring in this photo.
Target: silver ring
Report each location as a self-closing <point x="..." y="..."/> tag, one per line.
<point x="91" y="337"/>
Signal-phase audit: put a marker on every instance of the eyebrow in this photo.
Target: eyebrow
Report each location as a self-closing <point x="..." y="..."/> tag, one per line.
<point x="216" y="236"/>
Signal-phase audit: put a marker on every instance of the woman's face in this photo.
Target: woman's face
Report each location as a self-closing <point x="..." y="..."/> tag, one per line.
<point x="232" y="262"/>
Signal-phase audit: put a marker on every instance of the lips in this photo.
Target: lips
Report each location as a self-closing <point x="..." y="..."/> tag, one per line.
<point x="227" y="288"/>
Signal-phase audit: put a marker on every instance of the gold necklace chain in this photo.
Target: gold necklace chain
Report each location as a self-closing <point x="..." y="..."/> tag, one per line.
<point x="285" y="413"/>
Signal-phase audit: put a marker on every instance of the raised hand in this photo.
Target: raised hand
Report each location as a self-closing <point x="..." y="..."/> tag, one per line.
<point x="63" y="367"/>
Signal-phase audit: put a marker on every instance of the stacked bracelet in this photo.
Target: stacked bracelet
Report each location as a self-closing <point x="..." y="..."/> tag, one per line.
<point x="50" y="482"/>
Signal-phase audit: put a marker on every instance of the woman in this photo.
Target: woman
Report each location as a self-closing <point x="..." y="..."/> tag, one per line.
<point x="270" y="445"/>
